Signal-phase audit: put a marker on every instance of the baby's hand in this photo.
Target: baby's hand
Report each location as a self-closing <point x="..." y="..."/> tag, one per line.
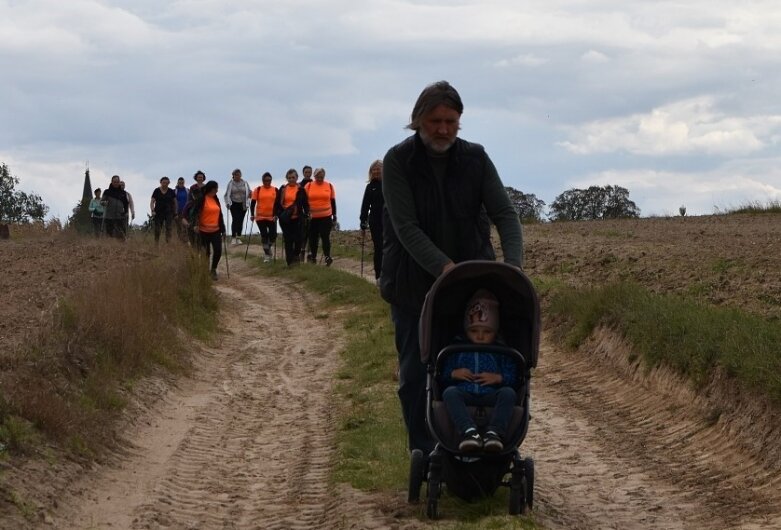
<point x="488" y="378"/>
<point x="462" y="374"/>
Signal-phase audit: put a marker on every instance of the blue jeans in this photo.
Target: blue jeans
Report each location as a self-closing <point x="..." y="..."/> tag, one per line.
<point x="412" y="380"/>
<point x="502" y="400"/>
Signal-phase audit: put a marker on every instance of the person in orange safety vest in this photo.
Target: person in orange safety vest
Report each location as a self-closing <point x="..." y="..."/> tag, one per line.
<point x="262" y="212"/>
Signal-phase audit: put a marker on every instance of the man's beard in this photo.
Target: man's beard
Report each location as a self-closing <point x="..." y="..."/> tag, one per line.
<point x="438" y="146"/>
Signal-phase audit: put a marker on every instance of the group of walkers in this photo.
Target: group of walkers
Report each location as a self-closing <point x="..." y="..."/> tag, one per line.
<point x="305" y="210"/>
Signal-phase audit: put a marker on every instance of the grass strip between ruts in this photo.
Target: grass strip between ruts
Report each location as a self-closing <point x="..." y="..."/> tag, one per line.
<point x="372" y="441"/>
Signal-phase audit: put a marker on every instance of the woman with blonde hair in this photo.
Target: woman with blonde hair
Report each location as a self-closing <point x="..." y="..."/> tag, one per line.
<point x="371" y="213"/>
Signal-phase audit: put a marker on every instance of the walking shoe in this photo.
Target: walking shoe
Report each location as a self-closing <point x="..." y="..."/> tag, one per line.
<point x="266" y="259"/>
<point x="493" y="442"/>
<point x="213" y="274"/>
<point x="328" y="261"/>
<point x="470" y="442"/>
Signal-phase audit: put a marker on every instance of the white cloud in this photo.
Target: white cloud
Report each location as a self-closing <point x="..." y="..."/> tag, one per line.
<point x="689" y="126"/>
<point x="525" y="59"/>
<point x="594" y="57"/>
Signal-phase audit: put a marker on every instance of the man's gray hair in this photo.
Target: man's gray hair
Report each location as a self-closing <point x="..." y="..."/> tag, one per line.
<point x="439" y="93"/>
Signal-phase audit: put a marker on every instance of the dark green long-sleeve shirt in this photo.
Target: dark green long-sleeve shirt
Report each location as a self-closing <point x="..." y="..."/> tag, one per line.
<point x="404" y="220"/>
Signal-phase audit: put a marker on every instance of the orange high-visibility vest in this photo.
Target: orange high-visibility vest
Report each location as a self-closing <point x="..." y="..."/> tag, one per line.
<point x="320" y="196"/>
<point x="264" y="202"/>
<point x="210" y="216"/>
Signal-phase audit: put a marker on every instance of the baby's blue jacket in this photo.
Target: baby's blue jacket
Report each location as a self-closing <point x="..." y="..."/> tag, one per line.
<point x="478" y="362"/>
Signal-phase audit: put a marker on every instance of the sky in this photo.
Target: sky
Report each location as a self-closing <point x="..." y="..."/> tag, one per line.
<point x="677" y="101"/>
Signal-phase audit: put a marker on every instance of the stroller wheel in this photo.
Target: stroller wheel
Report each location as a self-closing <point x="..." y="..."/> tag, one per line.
<point x="432" y="506"/>
<point x="417" y="468"/>
<point x="528" y="468"/>
<point x="518" y="492"/>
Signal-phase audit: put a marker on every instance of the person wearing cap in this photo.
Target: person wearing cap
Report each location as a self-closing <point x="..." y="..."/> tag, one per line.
<point x="441" y="194"/>
<point x="480" y="379"/>
<point x="237" y="197"/>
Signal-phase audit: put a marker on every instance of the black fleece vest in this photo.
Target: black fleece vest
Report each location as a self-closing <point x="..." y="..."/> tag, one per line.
<point x="404" y="282"/>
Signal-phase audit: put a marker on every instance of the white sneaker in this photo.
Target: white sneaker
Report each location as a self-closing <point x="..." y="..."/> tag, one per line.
<point x="266" y="259"/>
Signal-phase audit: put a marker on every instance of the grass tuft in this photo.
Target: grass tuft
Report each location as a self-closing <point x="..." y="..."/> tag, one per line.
<point x="692" y="338"/>
<point x="73" y="377"/>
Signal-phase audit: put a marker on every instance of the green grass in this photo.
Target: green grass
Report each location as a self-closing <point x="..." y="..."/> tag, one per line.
<point x="692" y="338"/>
<point x="372" y="441"/>
<point x="757" y="207"/>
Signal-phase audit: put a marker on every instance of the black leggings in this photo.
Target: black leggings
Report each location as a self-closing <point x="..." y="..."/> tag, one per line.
<point x="212" y="244"/>
<point x="159" y="221"/>
<point x="268" y="234"/>
<point x="292" y="233"/>
<point x="376" y="230"/>
<point x="319" y="228"/>
<point x="237" y="218"/>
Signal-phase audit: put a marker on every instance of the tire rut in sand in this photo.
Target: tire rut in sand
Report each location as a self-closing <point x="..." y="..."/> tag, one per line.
<point x="259" y="453"/>
<point x="616" y="450"/>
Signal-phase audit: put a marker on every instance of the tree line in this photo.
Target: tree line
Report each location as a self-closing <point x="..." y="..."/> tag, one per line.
<point x="594" y="202"/>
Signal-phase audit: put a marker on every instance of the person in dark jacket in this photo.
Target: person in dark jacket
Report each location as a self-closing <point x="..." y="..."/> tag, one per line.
<point x="291" y="209"/>
<point x="441" y="195"/>
<point x="474" y="378"/>
<point x="163" y="208"/>
<point x="115" y="209"/>
<point x="371" y="213"/>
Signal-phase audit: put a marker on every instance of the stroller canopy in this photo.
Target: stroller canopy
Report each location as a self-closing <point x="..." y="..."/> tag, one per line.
<point x="442" y="316"/>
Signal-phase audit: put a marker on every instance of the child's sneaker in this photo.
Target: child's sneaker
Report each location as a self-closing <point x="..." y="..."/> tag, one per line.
<point x="471" y="441"/>
<point x="493" y="442"/>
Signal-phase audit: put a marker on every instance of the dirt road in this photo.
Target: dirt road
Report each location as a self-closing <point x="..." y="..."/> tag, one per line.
<point x="247" y="441"/>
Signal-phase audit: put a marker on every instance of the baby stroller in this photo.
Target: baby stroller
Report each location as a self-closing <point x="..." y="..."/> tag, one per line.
<point x="475" y="475"/>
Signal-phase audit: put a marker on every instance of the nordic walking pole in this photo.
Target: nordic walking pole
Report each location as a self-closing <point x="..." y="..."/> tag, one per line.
<point x="363" y="245"/>
<point x="249" y="238"/>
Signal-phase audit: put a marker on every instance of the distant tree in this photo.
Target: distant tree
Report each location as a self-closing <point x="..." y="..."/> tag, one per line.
<point x="596" y="202"/>
<point x="18" y="206"/>
<point x="528" y="206"/>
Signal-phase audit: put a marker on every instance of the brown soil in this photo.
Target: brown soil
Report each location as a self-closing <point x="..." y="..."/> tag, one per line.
<point x="245" y="442"/>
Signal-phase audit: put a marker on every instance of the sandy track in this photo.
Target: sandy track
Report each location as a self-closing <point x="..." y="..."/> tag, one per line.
<point x="617" y="448"/>
<point x="248" y="441"/>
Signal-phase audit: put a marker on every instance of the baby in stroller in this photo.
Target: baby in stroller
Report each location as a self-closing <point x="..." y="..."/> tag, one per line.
<point x="479" y="382"/>
<point x="484" y="379"/>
